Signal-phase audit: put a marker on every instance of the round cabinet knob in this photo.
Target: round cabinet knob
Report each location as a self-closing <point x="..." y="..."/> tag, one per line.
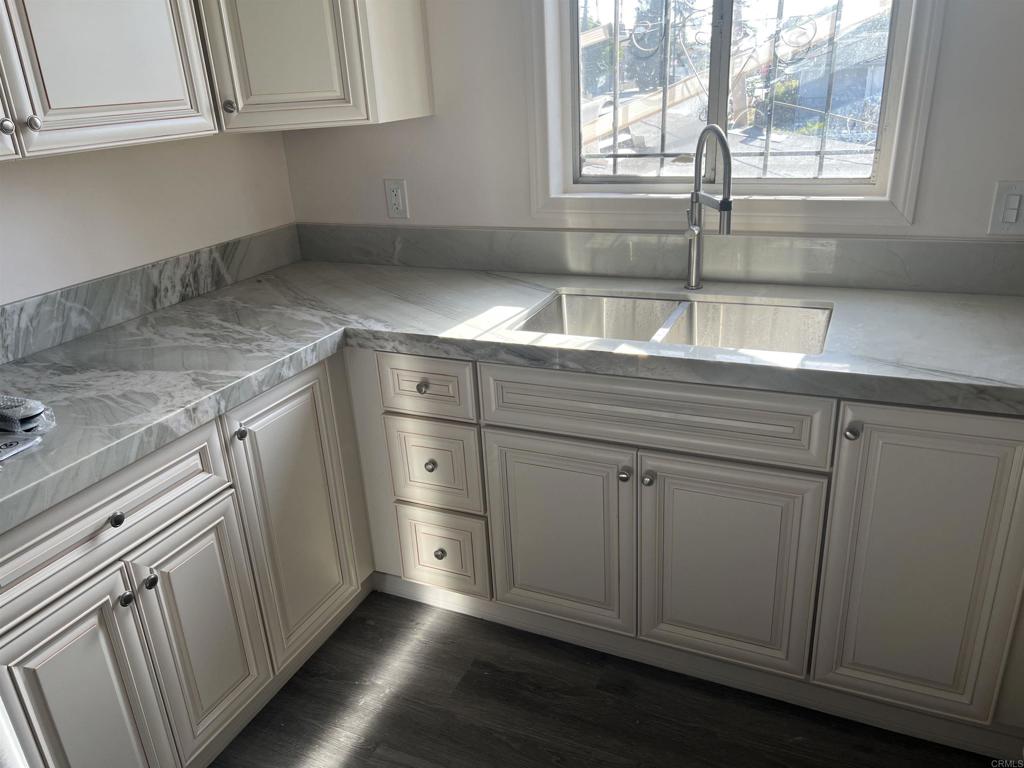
<point x="440" y="553"/>
<point x="241" y="433"/>
<point x="625" y="475"/>
<point x="423" y="387"/>
<point x="230" y="107"/>
<point x="151" y="581"/>
<point x="430" y="466"/>
<point x="126" y="599"/>
<point x="6" y="126"/>
<point x="34" y="123"/>
<point x="852" y="432"/>
<point x="647" y="479"/>
<point x="116" y="520"/>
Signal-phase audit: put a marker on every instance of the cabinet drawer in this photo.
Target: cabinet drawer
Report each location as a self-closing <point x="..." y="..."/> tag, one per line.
<point x="427" y="385"/>
<point x="435" y="462"/>
<point x="164" y="484"/>
<point x="792" y="430"/>
<point x="444" y="549"/>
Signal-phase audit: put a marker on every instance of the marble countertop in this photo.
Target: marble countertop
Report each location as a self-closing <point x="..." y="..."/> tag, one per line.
<point x="124" y="391"/>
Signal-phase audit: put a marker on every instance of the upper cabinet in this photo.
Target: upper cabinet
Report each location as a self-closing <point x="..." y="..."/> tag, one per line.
<point x="8" y="144"/>
<point x="101" y="73"/>
<point x="317" y="63"/>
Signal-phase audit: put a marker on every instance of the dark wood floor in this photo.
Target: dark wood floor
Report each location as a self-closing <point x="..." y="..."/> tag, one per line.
<point x="404" y="684"/>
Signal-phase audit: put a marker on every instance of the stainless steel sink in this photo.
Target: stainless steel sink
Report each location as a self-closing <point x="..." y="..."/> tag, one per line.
<point x="603" y="317"/>
<point x="725" y="323"/>
<point x="770" y="327"/>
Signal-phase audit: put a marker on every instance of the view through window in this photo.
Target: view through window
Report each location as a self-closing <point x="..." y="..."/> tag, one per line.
<point x="802" y="86"/>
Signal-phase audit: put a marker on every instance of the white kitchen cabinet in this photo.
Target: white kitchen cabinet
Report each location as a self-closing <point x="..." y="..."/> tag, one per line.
<point x="285" y="452"/>
<point x="924" y="558"/>
<point x="317" y="63"/>
<point x="728" y="559"/>
<point x="198" y="604"/>
<point x="77" y="684"/>
<point x="8" y="127"/>
<point x="93" y="74"/>
<point x="564" y="527"/>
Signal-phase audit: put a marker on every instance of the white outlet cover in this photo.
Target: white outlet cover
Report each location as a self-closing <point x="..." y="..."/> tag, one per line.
<point x="396" y="198"/>
<point x="1004" y="221"/>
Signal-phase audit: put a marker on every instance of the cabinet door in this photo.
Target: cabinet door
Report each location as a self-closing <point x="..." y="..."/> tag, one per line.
<point x="98" y="73"/>
<point x="199" y="607"/>
<point x="564" y="527"/>
<point x="924" y="558"/>
<point x="78" y="686"/>
<point x="729" y="557"/>
<point x="8" y="143"/>
<point x="285" y="451"/>
<point x="286" y="65"/>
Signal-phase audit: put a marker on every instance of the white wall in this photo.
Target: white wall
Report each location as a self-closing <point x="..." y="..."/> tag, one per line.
<point x="468" y="165"/>
<point x="72" y="218"/>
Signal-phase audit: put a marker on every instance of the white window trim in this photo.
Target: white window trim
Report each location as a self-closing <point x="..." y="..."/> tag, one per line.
<point x="886" y="206"/>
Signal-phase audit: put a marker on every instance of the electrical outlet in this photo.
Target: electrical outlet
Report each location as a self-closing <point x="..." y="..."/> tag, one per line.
<point x="1008" y="209"/>
<point x="397" y="199"/>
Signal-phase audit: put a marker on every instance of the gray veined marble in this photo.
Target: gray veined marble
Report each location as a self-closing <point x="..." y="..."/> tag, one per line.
<point x="53" y="318"/>
<point x="123" y="391"/>
<point x="979" y="266"/>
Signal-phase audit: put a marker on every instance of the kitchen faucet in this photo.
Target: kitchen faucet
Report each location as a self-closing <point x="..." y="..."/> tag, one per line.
<point x="699" y="198"/>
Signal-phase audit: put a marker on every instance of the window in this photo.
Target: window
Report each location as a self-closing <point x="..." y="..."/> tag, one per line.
<point x="800" y="85"/>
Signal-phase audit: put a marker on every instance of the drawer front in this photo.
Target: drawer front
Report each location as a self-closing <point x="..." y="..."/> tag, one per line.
<point x="164" y="484"/>
<point x="791" y="430"/>
<point x="435" y="462"/>
<point x="444" y="549"/>
<point x="427" y="385"/>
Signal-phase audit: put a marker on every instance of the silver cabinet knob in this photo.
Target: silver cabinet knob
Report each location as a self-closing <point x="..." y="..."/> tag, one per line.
<point x="625" y="475"/>
<point x="430" y="466"/>
<point x="116" y="520"/>
<point x="151" y="581"/>
<point x="6" y="126"/>
<point x="34" y="123"/>
<point x="852" y="432"/>
<point x="440" y="553"/>
<point x="126" y="599"/>
<point x="423" y="387"/>
<point x="230" y="107"/>
<point x="241" y="433"/>
<point x="647" y="479"/>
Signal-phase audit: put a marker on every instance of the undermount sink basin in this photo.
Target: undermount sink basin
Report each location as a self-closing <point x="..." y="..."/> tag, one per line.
<point x="740" y="323"/>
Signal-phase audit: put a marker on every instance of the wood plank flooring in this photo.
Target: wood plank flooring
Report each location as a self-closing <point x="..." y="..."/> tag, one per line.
<point x="404" y="684"/>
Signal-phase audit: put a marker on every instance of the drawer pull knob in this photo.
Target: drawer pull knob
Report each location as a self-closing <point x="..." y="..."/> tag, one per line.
<point x="7" y="126"/>
<point x="423" y="387"/>
<point x="34" y="123"/>
<point x="151" y="581"/>
<point x="440" y="553"/>
<point x="625" y="475"/>
<point x="852" y="432"/>
<point x="647" y="479"/>
<point x="229" y="106"/>
<point x="430" y="466"/>
<point x="126" y="599"/>
<point x="241" y="433"/>
<point x="116" y="520"/>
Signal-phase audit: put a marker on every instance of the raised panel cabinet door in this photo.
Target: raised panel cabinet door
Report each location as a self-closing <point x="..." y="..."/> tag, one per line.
<point x="729" y="559"/>
<point x="924" y="558"/>
<point x="285" y="452"/>
<point x="199" y="607"/>
<point x="87" y="74"/>
<point x="564" y="527"/>
<point x="286" y="64"/>
<point x="78" y="686"/>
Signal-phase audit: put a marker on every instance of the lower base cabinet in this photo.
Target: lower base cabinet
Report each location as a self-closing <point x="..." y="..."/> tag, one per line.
<point x="198" y="604"/>
<point x="728" y="559"/>
<point x="78" y="686"/>
<point x="563" y="527"/>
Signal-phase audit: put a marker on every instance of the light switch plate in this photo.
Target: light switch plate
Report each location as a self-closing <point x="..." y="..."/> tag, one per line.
<point x="397" y="198"/>
<point x="1007" y="209"/>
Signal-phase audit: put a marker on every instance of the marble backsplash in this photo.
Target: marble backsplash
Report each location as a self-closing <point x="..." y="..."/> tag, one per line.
<point x="44" y="321"/>
<point x="957" y="266"/>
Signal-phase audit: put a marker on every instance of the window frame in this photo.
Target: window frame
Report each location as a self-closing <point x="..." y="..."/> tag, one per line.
<point x="885" y="202"/>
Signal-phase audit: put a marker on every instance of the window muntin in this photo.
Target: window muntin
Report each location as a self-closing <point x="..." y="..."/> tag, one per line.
<point x="805" y="78"/>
